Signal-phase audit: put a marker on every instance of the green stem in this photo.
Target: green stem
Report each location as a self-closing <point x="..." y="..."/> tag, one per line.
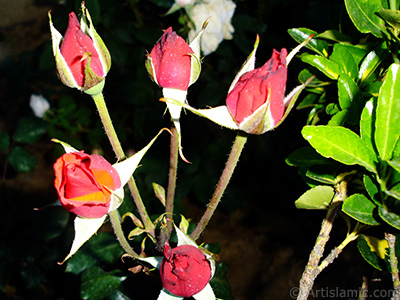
<point x="392" y="5"/>
<point x="231" y="163"/>
<point x="119" y="152"/>
<point x="169" y="202"/>
<point x="119" y="233"/>
<point x="173" y="167"/>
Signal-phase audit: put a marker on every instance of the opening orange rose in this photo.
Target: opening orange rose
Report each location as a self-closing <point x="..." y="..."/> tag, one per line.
<point x="83" y="183"/>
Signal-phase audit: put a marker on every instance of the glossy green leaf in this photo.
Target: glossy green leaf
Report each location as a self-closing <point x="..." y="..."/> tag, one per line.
<point x="341" y="144"/>
<point x="317" y="45"/>
<point x="321" y="174"/>
<point x="317" y="84"/>
<point x="350" y="98"/>
<point x="367" y="123"/>
<point x="98" y="284"/>
<point x="309" y="100"/>
<point x="387" y="124"/>
<point x="366" y="251"/>
<point x="391" y="216"/>
<point x="334" y="35"/>
<point x="29" y="130"/>
<point x="22" y="160"/>
<point x="392" y="17"/>
<point x="306" y="157"/>
<point x="339" y="118"/>
<point x="395" y="163"/>
<point x="393" y="183"/>
<point x="373" y="88"/>
<point x="372" y="188"/>
<point x="329" y="68"/>
<point x="342" y="55"/>
<point x="360" y="208"/>
<point x="317" y="197"/>
<point x="4" y="141"/>
<point x="363" y="14"/>
<point x="332" y="109"/>
<point x="371" y="61"/>
<point x="394" y="191"/>
<point x="396" y="152"/>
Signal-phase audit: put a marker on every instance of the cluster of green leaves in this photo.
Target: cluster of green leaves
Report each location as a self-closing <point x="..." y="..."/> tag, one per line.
<point x="353" y="127"/>
<point x="28" y="131"/>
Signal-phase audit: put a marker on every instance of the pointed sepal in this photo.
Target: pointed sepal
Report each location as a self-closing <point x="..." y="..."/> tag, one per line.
<point x="195" y="44"/>
<point x="84" y="229"/>
<point x="248" y="65"/>
<point x="165" y="295"/>
<point x="205" y="294"/>
<point x="219" y="115"/>
<point x="62" y="67"/>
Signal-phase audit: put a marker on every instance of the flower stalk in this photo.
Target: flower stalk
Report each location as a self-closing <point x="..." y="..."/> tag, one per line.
<point x="311" y="270"/>
<point x="172" y="175"/>
<point x="119" y="152"/>
<point x="116" y="225"/>
<point x="231" y="163"/>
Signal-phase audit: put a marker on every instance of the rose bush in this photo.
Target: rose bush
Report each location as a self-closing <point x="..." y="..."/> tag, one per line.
<point x="169" y="62"/>
<point x="185" y="270"/>
<point x="84" y="183"/>
<point x="260" y="90"/>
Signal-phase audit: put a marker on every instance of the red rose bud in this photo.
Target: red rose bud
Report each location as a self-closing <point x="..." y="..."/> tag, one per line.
<point x="256" y="102"/>
<point x="169" y="62"/>
<point x="185" y="270"/>
<point x="83" y="183"/>
<point x="82" y="59"/>
<point x="74" y="48"/>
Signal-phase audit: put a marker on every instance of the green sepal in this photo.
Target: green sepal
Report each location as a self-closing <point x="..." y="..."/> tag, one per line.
<point x="63" y="70"/>
<point x="84" y="229"/>
<point x="101" y="48"/>
<point x="195" y="45"/>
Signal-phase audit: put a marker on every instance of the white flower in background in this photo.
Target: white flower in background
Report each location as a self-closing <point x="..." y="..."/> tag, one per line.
<point x="219" y="28"/>
<point x="39" y="105"/>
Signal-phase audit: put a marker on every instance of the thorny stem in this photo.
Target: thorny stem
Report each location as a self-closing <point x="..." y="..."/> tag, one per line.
<point x="391" y="239"/>
<point x="231" y="163"/>
<point x="311" y="270"/>
<point x="173" y="168"/>
<point x="116" y="145"/>
<point x="116" y="224"/>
